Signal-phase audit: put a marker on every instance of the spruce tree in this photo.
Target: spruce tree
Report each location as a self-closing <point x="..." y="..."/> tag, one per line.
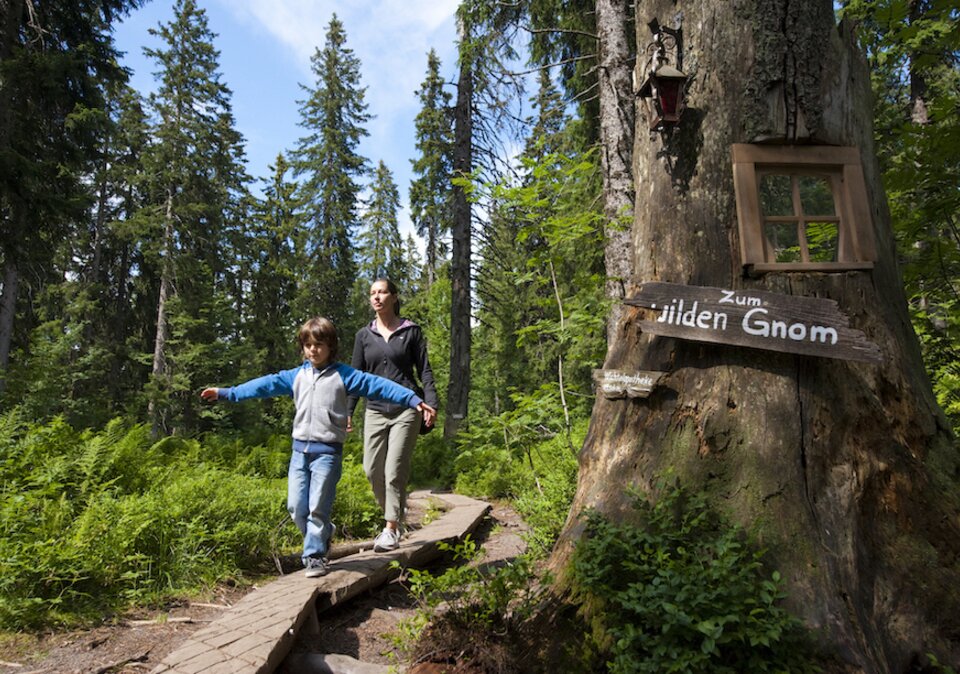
<point x="327" y="161"/>
<point x="56" y="59"/>
<point x="197" y="183"/>
<point x="275" y="261"/>
<point x="430" y="191"/>
<point x="379" y="242"/>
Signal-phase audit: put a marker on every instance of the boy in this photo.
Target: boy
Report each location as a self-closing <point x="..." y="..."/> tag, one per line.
<point x="319" y="387"/>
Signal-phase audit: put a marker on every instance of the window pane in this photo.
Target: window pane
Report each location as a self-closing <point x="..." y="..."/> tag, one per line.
<point x="816" y="195"/>
<point x="776" y="195"/>
<point x="822" y="241"/>
<point x="783" y="244"/>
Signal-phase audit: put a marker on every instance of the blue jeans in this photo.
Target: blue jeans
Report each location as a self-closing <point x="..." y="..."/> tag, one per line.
<point x="311" y="488"/>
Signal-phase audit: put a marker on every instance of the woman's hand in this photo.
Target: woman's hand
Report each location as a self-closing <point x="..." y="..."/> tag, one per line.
<point x="349" y="424"/>
<point x="210" y="394"/>
<point x="429" y="414"/>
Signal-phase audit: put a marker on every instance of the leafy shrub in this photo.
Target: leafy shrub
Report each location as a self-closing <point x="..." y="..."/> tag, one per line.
<point x="432" y="462"/>
<point x="355" y="510"/>
<point x="537" y="471"/>
<point x="680" y="592"/>
<point x="473" y="600"/>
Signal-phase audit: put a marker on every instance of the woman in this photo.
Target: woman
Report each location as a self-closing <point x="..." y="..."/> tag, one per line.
<point x="391" y="347"/>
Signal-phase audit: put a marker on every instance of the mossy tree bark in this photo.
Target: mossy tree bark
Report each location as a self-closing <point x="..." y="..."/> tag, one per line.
<point x="846" y="471"/>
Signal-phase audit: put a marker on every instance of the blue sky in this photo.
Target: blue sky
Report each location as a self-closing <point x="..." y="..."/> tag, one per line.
<point x="265" y="48"/>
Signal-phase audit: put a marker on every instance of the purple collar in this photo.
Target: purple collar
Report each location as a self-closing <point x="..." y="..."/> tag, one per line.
<point x="406" y="323"/>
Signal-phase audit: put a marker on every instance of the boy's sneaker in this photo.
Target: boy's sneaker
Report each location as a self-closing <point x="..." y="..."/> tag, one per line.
<point x="316" y="567"/>
<point x="389" y="539"/>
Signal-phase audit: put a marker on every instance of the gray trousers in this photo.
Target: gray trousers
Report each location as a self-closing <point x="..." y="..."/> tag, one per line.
<point x="388" y="442"/>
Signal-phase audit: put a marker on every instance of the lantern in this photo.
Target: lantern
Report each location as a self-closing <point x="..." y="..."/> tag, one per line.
<point x="664" y="89"/>
<point x="665" y="86"/>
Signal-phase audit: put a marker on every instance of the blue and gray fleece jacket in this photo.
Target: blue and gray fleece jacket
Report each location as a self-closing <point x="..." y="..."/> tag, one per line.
<point x="320" y="397"/>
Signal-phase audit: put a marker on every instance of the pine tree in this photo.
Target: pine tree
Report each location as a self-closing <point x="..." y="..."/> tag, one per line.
<point x="430" y="191"/>
<point x="540" y="271"/>
<point x="480" y="114"/>
<point x="197" y="184"/>
<point x="56" y="59"/>
<point x="379" y="242"/>
<point x="275" y="258"/>
<point x="328" y="162"/>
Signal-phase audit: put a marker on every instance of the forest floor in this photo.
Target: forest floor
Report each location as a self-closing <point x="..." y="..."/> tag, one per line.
<point x="364" y="628"/>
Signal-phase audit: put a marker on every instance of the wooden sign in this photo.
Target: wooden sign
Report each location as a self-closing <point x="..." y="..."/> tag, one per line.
<point x="763" y="320"/>
<point x="620" y="384"/>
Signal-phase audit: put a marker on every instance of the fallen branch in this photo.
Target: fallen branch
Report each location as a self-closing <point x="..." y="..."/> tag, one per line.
<point x="163" y="621"/>
<point x="113" y="665"/>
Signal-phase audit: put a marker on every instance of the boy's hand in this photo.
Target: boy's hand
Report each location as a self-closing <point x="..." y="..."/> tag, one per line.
<point x="210" y="394"/>
<point x="429" y="414"/>
<point x="349" y="424"/>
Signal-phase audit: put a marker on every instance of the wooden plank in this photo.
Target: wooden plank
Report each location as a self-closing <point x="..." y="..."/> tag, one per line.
<point x="763" y="320"/>
<point x="619" y="384"/>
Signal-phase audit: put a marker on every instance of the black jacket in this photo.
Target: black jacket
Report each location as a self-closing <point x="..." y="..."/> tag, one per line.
<point x="396" y="360"/>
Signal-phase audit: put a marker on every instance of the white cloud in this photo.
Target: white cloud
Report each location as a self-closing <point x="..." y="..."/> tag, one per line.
<point x="377" y="30"/>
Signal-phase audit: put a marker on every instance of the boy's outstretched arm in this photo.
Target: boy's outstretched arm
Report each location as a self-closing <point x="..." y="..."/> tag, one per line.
<point x="268" y="386"/>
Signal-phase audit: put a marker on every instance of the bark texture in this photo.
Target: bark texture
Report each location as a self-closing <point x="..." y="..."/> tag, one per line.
<point x="847" y="471"/>
<point x="8" y="310"/>
<point x="617" y="121"/>
<point x="458" y="390"/>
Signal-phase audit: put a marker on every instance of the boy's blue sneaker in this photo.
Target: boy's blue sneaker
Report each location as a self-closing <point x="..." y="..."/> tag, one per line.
<point x="316" y="567"/>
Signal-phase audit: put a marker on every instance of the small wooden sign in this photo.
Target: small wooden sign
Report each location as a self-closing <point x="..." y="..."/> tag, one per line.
<point x="806" y="325"/>
<point x="620" y="384"/>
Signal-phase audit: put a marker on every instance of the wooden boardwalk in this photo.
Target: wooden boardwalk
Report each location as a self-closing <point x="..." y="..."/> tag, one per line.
<point x="256" y="634"/>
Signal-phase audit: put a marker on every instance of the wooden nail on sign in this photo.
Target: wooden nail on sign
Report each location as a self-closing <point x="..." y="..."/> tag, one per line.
<point x="763" y="320"/>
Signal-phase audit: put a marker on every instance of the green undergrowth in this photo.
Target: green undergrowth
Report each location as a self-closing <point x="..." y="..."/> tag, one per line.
<point x="95" y="521"/>
<point x="468" y="609"/>
<point x="669" y="587"/>
<point x="677" y="589"/>
<point x="526" y="457"/>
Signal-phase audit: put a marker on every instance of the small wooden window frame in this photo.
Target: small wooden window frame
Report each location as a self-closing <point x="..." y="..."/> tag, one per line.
<point x="856" y="249"/>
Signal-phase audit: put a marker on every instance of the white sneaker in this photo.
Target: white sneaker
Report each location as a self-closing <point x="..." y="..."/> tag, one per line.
<point x="389" y="539"/>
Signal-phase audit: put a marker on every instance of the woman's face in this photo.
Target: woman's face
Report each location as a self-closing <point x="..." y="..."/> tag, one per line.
<point x="382" y="300"/>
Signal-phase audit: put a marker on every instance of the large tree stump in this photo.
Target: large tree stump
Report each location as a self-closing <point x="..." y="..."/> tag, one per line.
<point x="846" y="470"/>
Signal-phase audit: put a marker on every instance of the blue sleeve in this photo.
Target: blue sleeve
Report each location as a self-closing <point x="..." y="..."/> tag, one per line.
<point x="368" y="385"/>
<point x="268" y="386"/>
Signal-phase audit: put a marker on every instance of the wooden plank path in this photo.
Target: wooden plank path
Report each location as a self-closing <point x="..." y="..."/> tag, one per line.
<point x="256" y="634"/>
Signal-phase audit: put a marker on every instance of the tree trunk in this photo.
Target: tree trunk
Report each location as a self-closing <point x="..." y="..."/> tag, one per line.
<point x="10" y="24"/>
<point x="160" y="369"/>
<point x="846" y="470"/>
<point x="458" y="390"/>
<point x="616" y="140"/>
<point x="8" y="310"/>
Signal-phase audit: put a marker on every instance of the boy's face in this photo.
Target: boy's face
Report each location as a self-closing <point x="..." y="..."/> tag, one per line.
<point x="318" y="353"/>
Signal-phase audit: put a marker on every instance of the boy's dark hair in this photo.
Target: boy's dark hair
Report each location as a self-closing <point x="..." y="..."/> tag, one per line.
<point x="322" y="331"/>
<point x="392" y="289"/>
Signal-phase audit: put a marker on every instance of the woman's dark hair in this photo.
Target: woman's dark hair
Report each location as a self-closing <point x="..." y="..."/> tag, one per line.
<point x="322" y="331"/>
<point x="392" y="289"/>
